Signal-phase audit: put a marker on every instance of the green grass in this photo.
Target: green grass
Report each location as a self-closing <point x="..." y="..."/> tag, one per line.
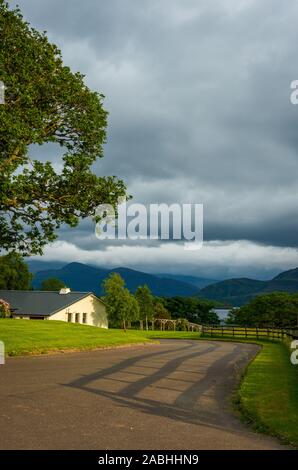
<point x="23" y="337"/>
<point x="267" y="395"/>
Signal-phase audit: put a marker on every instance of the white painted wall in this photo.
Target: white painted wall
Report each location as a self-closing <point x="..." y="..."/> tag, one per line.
<point x="91" y="305"/>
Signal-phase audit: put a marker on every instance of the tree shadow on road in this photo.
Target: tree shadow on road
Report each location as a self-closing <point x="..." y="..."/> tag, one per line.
<point x="190" y="404"/>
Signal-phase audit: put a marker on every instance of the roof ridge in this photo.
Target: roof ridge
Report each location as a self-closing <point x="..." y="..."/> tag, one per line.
<point x="44" y="303"/>
<point x="47" y="291"/>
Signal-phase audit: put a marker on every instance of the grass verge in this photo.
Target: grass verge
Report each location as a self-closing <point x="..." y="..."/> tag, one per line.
<point x="268" y="394"/>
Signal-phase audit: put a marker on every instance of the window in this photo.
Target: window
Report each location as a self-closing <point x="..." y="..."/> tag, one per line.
<point x="84" y="317"/>
<point x="77" y="318"/>
<point x="69" y="315"/>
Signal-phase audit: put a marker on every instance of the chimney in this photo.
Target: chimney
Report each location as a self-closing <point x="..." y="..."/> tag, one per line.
<point x="64" y="291"/>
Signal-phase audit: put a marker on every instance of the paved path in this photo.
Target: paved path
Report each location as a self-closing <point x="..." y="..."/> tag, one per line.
<point x="169" y="396"/>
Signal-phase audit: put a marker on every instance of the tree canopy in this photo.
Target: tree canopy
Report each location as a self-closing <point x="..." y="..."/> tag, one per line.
<point x="160" y="311"/>
<point x="45" y="102"/>
<point x="146" y="305"/>
<point x="14" y="273"/>
<point x="278" y="309"/>
<point x="194" y="309"/>
<point x="52" y="284"/>
<point x="121" y="305"/>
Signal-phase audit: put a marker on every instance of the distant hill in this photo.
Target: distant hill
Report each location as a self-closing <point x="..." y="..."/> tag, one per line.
<point x="199" y="282"/>
<point x="37" y="265"/>
<point x="240" y="291"/>
<point x="83" y="277"/>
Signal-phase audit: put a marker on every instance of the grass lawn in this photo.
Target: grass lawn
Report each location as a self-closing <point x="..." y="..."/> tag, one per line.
<point x="39" y="337"/>
<point x="268" y="394"/>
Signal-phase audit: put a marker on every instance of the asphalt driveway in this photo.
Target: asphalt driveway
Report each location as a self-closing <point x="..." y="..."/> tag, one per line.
<point x="175" y="395"/>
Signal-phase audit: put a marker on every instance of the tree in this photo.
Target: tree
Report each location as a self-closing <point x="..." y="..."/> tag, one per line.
<point x="115" y="297"/>
<point x="182" y="324"/>
<point x="146" y="305"/>
<point x="14" y="273"/>
<point x="133" y="309"/>
<point x="160" y="311"/>
<point x="121" y="305"/>
<point x="195" y="310"/>
<point x="278" y="309"/>
<point x="45" y="102"/>
<point x="52" y="284"/>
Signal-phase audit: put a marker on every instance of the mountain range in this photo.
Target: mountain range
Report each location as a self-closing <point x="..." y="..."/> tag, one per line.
<point x="239" y="291"/>
<point x="230" y="292"/>
<point x="82" y="277"/>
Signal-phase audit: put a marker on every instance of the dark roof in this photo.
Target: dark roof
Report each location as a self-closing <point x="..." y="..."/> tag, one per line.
<point x="39" y="303"/>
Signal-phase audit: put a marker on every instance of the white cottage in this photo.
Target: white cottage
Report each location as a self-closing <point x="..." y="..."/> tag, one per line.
<point x="68" y="306"/>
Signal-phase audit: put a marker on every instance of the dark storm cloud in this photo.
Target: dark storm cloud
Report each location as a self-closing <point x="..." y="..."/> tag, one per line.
<point x="198" y="95"/>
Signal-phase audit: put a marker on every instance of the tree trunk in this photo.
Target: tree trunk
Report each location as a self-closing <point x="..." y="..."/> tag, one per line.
<point x="146" y="323"/>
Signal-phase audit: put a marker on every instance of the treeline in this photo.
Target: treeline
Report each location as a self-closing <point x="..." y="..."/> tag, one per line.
<point x="125" y="309"/>
<point x="193" y="309"/>
<point x="278" y="309"/>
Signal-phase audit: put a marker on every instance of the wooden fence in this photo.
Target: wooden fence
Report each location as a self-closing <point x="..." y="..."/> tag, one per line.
<point x="227" y="331"/>
<point x="243" y="332"/>
<point x="291" y="332"/>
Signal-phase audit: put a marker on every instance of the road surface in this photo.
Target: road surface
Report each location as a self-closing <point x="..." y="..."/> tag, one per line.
<point x="173" y="395"/>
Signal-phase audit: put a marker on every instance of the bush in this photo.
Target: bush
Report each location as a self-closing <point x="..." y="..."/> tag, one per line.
<point x="182" y="324"/>
<point x="4" y="309"/>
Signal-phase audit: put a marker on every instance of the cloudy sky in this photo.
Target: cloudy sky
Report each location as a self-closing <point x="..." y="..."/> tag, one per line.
<point x="198" y="94"/>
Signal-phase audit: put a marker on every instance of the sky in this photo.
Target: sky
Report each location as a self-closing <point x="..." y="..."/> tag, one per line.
<point x="198" y="95"/>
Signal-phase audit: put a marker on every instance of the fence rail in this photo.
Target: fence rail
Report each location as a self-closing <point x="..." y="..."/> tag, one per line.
<point x="243" y="332"/>
<point x="228" y="331"/>
<point x="291" y="332"/>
